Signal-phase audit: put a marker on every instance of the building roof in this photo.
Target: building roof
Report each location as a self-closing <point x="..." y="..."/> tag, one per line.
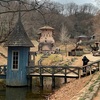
<point x="19" y="37"/>
<point x="84" y="36"/>
<point x="46" y="27"/>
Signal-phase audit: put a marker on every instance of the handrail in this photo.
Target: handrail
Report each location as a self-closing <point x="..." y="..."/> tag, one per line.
<point x="91" y="63"/>
<point x="60" y="71"/>
<point x="3" y="69"/>
<point x="77" y="70"/>
<point x="54" y="67"/>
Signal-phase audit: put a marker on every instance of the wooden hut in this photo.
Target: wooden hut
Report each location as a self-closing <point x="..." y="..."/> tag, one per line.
<point x="82" y="38"/>
<point x="18" y="52"/>
<point x="46" y="40"/>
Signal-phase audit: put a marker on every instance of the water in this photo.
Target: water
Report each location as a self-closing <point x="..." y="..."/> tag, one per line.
<point x="27" y="93"/>
<point x="24" y="93"/>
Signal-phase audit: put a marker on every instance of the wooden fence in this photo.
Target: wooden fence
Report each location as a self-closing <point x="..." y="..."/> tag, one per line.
<point x="61" y="71"/>
<point x="94" y="66"/>
<point x="55" y="71"/>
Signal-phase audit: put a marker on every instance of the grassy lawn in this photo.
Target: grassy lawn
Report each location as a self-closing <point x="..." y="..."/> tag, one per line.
<point x="54" y="59"/>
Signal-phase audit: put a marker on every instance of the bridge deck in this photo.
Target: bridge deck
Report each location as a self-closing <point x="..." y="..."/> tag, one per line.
<point x="55" y="75"/>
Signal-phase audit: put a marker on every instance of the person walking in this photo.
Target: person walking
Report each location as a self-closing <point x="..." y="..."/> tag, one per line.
<point x="85" y="62"/>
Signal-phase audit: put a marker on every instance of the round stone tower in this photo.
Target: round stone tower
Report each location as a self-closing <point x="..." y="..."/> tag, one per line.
<point x="46" y="40"/>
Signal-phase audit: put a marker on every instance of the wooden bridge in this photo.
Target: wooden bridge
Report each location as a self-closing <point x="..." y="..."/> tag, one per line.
<point x="61" y="71"/>
<point x="55" y="71"/>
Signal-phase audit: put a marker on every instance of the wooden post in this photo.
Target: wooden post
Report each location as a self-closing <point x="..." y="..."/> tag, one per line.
<point x="30" y="81"/>
<point x="41" y="81"/>
<point x="5" y="68"/>
<point x="53" y="78"/>
<point x="53" y="82"/>
<point x="79" y="73"/>
<point x="86" y="70"/>
<point x="65" y="78"/>
<point x="90" y="69"/>
<point x="34" y="59"/>
<point x="99" y="65"/>
<point x="41" y="78"/>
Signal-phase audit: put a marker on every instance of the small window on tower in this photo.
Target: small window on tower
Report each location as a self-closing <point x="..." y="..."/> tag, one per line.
<point x="15" y="60"/>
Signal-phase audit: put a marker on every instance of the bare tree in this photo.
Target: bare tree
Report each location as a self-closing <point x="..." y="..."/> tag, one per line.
<point x="9" y="13"/>
<point x="64" y="37"/>
<point x="88" y="8"/>
<point x="71" y="9"/>
<point x="36" y="13"/>
<point x="96" y="26"/>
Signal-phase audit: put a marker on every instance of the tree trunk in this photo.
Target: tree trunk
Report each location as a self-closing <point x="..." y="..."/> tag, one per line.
<point x="66" y="49"/>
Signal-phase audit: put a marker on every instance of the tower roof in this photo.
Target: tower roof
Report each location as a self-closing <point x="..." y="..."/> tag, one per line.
<point x="18" y="36"/>
<point x="46" y="27"/>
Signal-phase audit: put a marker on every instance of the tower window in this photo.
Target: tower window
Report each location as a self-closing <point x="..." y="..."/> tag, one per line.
<point x="15" y="60"/>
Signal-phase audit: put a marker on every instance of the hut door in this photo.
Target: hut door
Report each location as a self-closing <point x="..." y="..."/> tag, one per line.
<point x="31" y="59"/>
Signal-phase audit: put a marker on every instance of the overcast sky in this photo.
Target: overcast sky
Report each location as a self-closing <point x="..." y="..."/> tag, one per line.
<point x="79" y="2"/>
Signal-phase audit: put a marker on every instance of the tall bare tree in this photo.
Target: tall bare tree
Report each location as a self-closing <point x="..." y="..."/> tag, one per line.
<point x="96" y="26"/>
<point x="64" y="37"/>
<point x="9" y="13"/>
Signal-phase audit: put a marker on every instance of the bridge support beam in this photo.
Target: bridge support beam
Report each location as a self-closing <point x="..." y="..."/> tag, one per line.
<point x="53" y="82"/>
<point x="65" y="80"/>
<point x="79" y="73"/>
<point x="41" y="81"/>
<point x="29" y="81"/>
<point x="99" y="66"/>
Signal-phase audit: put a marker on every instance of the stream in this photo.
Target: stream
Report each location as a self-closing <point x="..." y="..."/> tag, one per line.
<point x="27" y="93"/>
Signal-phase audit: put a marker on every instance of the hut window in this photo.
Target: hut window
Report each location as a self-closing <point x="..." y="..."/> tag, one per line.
<point x="15" y="59"/>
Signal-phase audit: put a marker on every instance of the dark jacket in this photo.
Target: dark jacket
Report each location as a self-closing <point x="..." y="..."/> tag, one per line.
<point x="85" y="60"/>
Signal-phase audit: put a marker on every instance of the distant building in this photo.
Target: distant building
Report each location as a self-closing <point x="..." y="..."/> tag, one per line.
<point x="46" y="40"/>
<point x="82" y="38"/>
<point x="97" y="37"/>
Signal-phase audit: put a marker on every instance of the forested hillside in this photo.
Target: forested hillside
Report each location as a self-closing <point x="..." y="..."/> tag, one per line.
<point x="78" y="19"/>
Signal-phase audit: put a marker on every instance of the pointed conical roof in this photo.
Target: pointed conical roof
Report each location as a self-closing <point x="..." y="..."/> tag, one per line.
<point x="18" y="36"/>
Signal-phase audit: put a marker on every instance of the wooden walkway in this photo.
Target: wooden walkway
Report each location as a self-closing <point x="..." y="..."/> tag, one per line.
<point x="55" y="71"/>
<point x="61" y="71"/>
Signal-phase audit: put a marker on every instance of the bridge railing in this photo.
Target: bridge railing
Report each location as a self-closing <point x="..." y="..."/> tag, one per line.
<point x="63" y="71"/>
<point x="59" y="71"/>
<point x="91" y="67"/>
<point x="3" y="69"/>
